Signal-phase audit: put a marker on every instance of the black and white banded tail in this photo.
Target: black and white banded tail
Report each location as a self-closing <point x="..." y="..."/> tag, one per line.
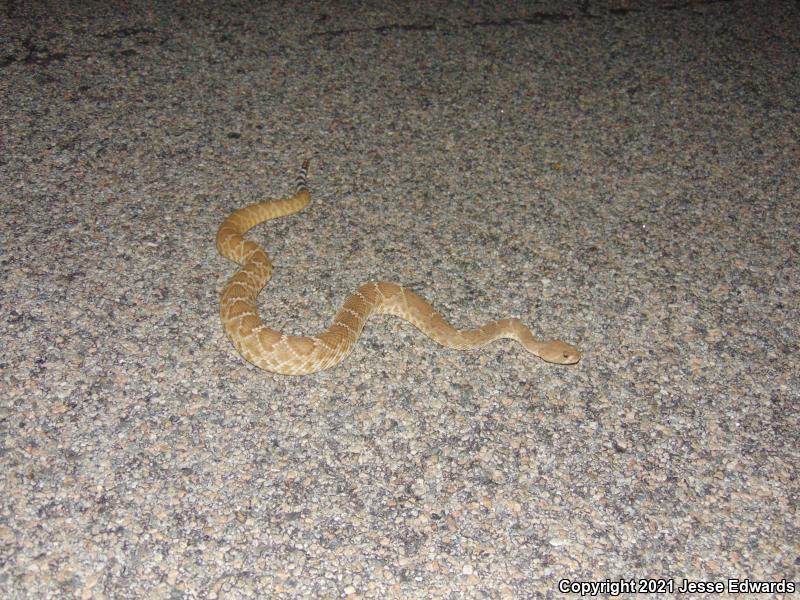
<point x="301" y="183"/>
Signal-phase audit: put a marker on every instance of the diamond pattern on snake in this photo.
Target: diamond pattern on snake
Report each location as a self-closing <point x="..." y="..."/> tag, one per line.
<point x="275" y="351"/>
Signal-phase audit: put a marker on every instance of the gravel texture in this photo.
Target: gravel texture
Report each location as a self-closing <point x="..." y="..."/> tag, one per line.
<point x="622" y="175"/>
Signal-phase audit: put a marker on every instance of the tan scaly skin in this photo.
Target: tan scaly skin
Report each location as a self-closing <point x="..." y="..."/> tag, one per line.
<point x="299" y="355"/>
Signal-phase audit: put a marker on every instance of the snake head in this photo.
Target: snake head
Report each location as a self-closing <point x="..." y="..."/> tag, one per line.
<point x="558" y="352"/>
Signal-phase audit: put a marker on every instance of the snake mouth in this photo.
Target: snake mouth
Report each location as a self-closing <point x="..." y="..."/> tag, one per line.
<point x="571" y="359"/>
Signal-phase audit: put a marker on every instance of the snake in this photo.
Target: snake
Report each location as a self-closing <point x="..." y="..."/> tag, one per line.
<point x="277" y="352"/>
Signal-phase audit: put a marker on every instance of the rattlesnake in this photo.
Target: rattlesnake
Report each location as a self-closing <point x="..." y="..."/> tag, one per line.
<point x="299" y="355"/>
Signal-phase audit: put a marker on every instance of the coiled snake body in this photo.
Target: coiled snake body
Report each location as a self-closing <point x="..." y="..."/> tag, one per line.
<point x="298" y="355"/>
